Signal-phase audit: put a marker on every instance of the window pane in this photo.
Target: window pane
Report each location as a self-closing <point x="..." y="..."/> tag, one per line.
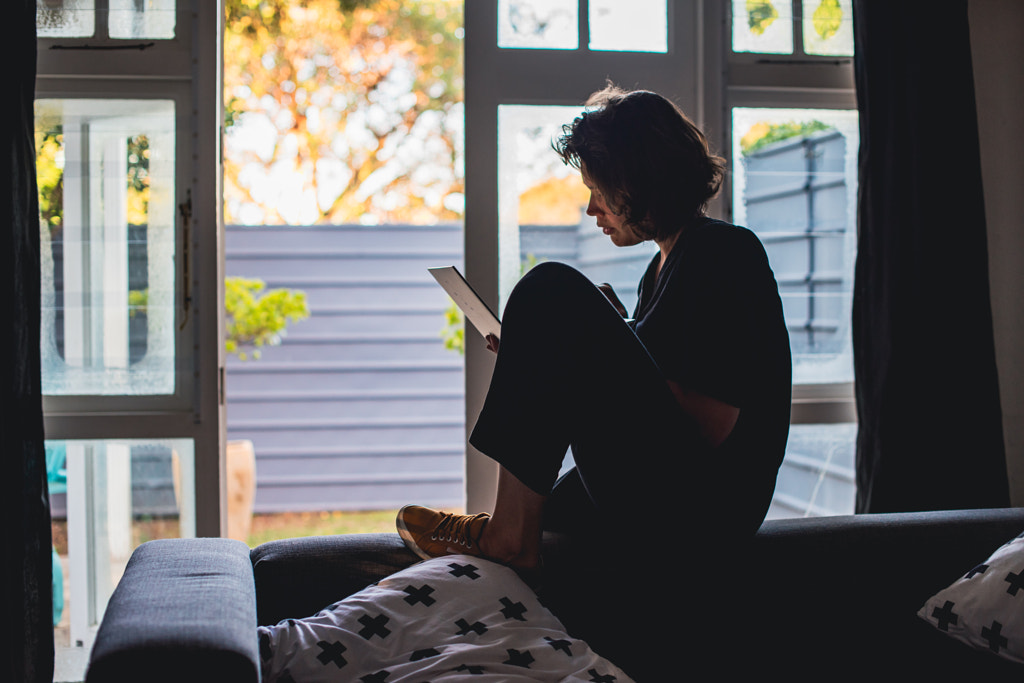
<point x="550" y="24"/>
<point x="107" y="497"/>
<point x="106" y="193"/>
<point x="828" y="27"/>
<point x="132" y="19"/>
<point x="542" y="207"/>
<point x="142" y="18"/>
<point x="818" y="475"/>
<point x="762" y="26"/>
<point x="795" y="185"/>
<point x="628" y="25"/>
<point x="65" y="18"/>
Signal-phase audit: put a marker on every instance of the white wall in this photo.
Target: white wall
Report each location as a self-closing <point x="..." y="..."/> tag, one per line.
<point x="998" y="55"/>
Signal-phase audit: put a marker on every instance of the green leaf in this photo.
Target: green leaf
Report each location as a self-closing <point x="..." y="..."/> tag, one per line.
<point x="760" y="15"/>
<point x="256" y="319"/>
<point x="763" y="134"/>
<point x="827" y="18"/>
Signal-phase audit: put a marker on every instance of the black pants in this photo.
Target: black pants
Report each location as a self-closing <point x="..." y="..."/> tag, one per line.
<point x="571" y="373"/>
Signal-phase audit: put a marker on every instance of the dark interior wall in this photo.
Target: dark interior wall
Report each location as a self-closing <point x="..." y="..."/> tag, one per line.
<point x="998" y="59"/>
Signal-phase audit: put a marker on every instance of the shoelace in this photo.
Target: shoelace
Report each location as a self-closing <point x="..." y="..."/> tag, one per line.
<point x="456" y="528"/>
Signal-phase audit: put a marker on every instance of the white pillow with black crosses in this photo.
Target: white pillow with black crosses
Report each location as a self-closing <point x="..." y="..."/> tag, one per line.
<point x="455" y="618"/>
<point x="985" y="607"/>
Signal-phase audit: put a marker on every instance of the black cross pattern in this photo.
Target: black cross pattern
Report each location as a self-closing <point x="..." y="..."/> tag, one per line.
<point x="419" y="595"/>
<point x="331" y="653"/>
<point x="1016" y="582"/>
<point x="945" y="616"/>
<point x="513" y="610"/>
<point x="374" y="626"/>
<point x="469" y="570"/>
<point x="562" y="645"/>
<point x="465" y="627"/>
<point x="980" y="569"/>
<point x="378" y="677"/>
<point x="598" y="678"/>
<point x="266" y="650"/>
<point x="517" y="658"/>
<point x="471" y="669"/>
<point x="994" y="636"/>
<point x="417" y="655"/>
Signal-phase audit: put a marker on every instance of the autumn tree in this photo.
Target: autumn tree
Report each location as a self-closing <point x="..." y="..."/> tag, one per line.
<point x="343" y="111"/>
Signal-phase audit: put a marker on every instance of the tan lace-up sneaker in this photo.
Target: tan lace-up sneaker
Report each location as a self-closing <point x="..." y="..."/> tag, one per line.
<point x="431" y="533"/>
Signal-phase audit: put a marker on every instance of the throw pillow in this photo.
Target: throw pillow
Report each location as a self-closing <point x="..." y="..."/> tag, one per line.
<point x="985" y="607"/>
<point x="445" y="619"/>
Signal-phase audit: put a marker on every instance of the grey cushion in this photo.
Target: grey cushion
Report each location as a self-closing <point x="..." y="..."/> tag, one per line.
<point x="297" y="577"/>
<point x="149" y="632"/>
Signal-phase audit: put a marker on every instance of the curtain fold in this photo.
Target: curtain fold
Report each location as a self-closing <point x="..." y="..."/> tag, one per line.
<point x="27" y="590"/>
<point x="930" y="433"/>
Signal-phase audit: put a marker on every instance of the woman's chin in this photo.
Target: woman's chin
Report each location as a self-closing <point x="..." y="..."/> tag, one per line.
<point x="621" y="239"/>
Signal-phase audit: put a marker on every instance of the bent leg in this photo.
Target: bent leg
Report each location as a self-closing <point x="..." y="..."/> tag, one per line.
<point x="571" y="371"/>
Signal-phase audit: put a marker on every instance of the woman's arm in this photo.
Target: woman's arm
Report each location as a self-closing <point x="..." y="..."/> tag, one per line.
<point x="609" y="294"/>
<point x="715" y="419"/>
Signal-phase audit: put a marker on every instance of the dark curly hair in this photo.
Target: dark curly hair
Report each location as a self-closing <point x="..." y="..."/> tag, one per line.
<point x="651" y="162"/>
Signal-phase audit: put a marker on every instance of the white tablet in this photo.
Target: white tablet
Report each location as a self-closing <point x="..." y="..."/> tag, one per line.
<point x="468" y="301"/>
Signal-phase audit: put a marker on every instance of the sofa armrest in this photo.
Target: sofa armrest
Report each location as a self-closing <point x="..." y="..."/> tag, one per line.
<point x="330" y="567"/>
<point x="185" y="610"/>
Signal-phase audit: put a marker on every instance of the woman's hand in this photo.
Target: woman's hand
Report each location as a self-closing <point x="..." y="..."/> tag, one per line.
<point x="492" y="343"/>
<point x="609" y="294"/>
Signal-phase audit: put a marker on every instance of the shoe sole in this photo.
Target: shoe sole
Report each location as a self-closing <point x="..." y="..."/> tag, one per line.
<point x="407" y="537"/>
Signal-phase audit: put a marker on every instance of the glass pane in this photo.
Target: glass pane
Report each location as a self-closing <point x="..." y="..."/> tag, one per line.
<point x="549" y="24"/>
<point x="628" y="25"/>
<point x="106" y="197"/>
<point x="107" y="498"/>
<point x="65" y="18"/>
<point x="142" y="18"/>
<point x="542" y="207"/>
<point x="795" y="185"/>
<point x="762" y="26"/>
<point x="131" y="19"/>
<point x="828" y="27"/>
<point x="818" y="475"/>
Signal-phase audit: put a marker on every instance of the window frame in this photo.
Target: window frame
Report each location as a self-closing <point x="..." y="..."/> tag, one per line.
<point x="717" y="80"/>
<point x="537" y="76"/>
<point x="99" y="67"/>
<point x="797" y="81"/>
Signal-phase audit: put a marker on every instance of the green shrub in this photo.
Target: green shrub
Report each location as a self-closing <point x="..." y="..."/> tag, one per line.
<point x="256" y="318"/>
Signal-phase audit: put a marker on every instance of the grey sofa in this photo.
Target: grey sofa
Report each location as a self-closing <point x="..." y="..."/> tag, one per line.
<point x="812" y="599"/>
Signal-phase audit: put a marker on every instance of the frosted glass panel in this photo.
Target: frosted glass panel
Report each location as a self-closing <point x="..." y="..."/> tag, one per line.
<point x="142" y="18"/>
<point x="125" y="19"/>
<point x="105" y="170"/>
<point x="628" y="25"/>
<point x="547" y="24"/>
<point x="762" y="26"/>
<point x="828" y="27"/>
<point x="65" y="18"/>
<point x="795" y="185"/>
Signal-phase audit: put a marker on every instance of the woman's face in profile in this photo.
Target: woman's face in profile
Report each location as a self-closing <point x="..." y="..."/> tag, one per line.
<point x="611" y="223"/>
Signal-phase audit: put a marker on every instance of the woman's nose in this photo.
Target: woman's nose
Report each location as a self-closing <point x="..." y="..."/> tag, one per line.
<point x="592" y="208"/>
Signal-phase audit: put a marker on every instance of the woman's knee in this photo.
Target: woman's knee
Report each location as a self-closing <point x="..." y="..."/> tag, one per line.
<point x="552" y="279"/>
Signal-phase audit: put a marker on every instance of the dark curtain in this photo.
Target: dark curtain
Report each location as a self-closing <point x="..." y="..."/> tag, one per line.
<point x="27" y="567"/>
<point x="927" y="391"/>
